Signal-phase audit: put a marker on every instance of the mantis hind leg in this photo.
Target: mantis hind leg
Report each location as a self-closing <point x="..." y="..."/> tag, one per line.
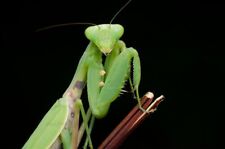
<point x="79" y="105"/>
<point x="90" y="129"/>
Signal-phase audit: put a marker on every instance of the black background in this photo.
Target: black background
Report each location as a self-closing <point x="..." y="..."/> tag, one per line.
<point x="181" y="49"/>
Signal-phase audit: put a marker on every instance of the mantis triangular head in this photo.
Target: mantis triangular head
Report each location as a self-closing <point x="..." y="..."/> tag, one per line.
<point x="104" y="36"/>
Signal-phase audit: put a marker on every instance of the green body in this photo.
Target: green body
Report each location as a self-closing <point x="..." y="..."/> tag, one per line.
<point x="104" y="83"/>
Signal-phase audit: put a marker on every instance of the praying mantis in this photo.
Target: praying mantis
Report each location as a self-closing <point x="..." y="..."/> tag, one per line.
<point x="104" y="83"/>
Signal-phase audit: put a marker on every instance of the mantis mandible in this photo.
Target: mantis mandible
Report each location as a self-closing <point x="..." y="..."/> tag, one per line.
<point x="104" y="84"/>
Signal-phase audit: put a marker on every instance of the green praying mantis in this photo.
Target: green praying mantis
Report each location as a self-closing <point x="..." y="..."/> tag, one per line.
<point x="104" y="81"/>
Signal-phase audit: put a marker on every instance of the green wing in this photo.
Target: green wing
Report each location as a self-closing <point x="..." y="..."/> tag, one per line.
<point x="50" y="126"/>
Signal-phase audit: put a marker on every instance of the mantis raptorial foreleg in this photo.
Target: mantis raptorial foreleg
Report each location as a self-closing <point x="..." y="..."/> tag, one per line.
<point x="100" y="95"/>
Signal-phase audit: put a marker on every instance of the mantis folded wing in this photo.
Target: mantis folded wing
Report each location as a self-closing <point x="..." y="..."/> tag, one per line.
<point x="104" y="84"/>
<point x="50" y="127"/>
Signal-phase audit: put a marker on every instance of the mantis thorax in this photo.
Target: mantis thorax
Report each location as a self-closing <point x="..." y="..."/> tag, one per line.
<point x="104" y="36"/>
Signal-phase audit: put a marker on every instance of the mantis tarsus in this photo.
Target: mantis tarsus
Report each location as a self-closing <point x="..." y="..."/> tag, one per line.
<point x="104" y="83"/>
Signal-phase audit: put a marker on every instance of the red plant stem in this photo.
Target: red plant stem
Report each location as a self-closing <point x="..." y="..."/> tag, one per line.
<point x="134" y="118"/>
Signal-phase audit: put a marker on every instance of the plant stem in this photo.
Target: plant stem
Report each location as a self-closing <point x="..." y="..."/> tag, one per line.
<point x="134" y="118"/>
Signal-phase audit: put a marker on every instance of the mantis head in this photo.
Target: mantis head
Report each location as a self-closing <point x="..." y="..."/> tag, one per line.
<point x="104" y="36"/>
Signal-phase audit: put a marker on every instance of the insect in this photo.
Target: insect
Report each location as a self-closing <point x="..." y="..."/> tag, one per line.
<point x="104" y="84"/>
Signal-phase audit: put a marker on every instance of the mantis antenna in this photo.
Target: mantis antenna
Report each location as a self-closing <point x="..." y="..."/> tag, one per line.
<point x="64" y="24"/>
<point x="118" y="12"/>
<point x="82" y="23"/>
